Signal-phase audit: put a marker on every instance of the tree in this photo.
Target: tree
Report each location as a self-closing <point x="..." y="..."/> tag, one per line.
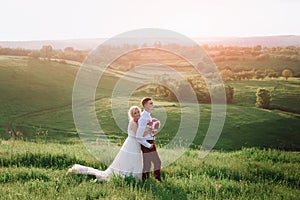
<point x="227" y="68"/>
<point x="183" y="89"/>
<point x="69" y="49"/>
<point x="259" y="74"/>
<point x="229" y="93"/>
<point x="263" y="98"/>
<point x="157" y="44"/>
<point x="272" y="74"/>
<point x="262" y="57"/>
<point x="46" y="51"/>
<point x="144" y="45"/>
<point x="257" y="48"/>
<point x="226" y="74"/>
<point x="34" y="54"/>
<point x="286" y="73"/>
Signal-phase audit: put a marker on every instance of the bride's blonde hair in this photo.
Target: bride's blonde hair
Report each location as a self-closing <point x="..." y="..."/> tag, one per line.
<point x="131" y="111"/>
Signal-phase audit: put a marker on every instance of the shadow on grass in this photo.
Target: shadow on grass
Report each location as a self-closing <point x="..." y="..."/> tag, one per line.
<point x="44" y="160"/>
<point x="285" y="109"/>
<point x="160" y="190"/>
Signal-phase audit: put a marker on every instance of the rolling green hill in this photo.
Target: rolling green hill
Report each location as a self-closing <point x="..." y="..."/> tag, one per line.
<point x="34" y="88"/>
<point x="36" y="97"/>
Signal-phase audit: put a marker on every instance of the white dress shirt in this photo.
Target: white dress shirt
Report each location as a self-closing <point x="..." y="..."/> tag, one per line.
<point x="142" y="125"/>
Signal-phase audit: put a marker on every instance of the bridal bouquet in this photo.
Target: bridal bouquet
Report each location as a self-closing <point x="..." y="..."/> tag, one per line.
<point x="153" y="125"/>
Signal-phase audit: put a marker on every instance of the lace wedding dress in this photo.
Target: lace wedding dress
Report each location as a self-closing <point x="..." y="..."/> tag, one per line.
<point x="128" y="161"/>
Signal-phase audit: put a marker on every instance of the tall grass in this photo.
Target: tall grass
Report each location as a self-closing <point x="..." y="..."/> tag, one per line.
<point x="249" y="173"/>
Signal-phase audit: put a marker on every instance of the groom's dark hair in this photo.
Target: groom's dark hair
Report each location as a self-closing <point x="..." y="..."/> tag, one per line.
<point x="145" y="100"/>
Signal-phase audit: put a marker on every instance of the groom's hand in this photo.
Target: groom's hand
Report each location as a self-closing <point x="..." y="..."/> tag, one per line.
<point x="151" y="146"/>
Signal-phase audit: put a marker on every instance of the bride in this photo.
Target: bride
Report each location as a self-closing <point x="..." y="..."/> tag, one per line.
<point x="128" y="161"/>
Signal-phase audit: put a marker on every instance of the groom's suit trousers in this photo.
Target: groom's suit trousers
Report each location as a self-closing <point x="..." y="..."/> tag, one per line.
<point x="150" y="155"/>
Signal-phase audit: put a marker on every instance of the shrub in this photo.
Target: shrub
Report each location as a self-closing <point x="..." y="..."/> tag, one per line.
<point x="226" y="74"/>
<point x="244" y="75"/>
<point x="262" y="57"/>
<point x="263" y="98"/>
<point x="183" y="89"/>
<point x="259" y="74"/>
<point x="286" y="73"/>
<point x="62" y="62"/>
<point x="272" y="74"/>
<point x="229" y="93"/>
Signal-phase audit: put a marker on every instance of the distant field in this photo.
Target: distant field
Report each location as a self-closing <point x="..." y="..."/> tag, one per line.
<point x="37" y="97"/>
<point x="284" y="93"/>
<point x="274" y="64"/>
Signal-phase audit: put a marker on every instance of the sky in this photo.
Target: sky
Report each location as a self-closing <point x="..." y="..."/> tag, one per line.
<point x="22" y="20"/>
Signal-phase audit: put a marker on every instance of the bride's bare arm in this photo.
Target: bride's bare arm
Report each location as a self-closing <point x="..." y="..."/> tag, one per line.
<point x="133" y="126"/>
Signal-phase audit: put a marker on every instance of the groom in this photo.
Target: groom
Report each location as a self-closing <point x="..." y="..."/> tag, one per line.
<point x="147" y="143"/>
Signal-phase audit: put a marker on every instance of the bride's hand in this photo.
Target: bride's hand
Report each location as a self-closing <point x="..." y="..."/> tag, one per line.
<point x="146" y="133"/>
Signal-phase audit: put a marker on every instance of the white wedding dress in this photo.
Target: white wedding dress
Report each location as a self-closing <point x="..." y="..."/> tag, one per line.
<point x="128" y="161"/>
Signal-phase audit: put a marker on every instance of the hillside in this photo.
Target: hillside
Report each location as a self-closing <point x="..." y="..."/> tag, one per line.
<point x="36" y="99"/>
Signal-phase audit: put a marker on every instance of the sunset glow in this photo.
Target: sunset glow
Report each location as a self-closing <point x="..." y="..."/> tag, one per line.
<point x="41" y="20"/>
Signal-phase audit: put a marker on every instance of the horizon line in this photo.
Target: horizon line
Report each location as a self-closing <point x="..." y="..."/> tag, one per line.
<point x="105" y="38"/>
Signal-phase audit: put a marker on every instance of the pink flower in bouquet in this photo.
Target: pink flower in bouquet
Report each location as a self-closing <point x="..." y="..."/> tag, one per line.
<point x="153" y="124"/>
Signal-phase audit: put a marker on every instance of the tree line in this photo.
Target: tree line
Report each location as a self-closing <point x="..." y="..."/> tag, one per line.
<point x="47" y="52"/>
<point x="218" y="53"/>
<point x="258" y="53"/>
<point x="215" y="52"/>
<point x="228" y="75"/>
<point x="173" y="89"/>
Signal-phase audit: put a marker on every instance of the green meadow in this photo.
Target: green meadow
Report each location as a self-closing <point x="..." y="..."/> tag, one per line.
<point x="256" y="157"/>
<point x="37" y="170"/>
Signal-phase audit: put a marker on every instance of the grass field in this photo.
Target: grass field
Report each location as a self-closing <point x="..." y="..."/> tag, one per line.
<point x="37" y="171"/>
<point x="36" y="97"/>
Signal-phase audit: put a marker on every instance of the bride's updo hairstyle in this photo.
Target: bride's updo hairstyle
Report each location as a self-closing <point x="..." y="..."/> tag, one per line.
<point x="131" y="111"/>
